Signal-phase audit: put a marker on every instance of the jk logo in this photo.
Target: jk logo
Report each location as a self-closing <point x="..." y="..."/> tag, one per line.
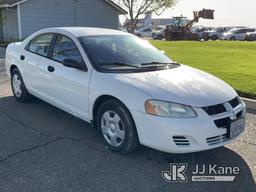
<point x="176" y="173"/>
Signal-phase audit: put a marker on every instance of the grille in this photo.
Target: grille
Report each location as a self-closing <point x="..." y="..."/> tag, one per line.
<point x="215" y="109"/>
<point x="222" y="123"/>
<point x="225" y="122"/>
<point x="181" y="141"/>
<point x="220" y="108"/>
<point x="234" y="102"/>
<point x="217" y="139"/>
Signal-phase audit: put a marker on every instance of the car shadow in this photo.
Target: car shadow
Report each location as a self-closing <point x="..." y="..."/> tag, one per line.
<point x="138" y="171"/>
<point x="221" y="157"/>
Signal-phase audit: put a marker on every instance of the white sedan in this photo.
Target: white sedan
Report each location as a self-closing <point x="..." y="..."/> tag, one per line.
<point x="129" y="90"/>
<point x="237" y="34"/>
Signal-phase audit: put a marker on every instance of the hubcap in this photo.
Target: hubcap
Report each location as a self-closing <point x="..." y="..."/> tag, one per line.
<point x="16" y="82"/>
<point x="112" y="128"/>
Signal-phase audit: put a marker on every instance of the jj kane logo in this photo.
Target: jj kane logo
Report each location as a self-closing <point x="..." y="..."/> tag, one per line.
<point x="177" y="173"/>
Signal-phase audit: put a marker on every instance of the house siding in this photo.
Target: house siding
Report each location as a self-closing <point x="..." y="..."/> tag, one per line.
<point x="39" y="14"/>
<point x="9" y="24"/>
<point x="1" y="25"/>
<point x="96" y="13"/>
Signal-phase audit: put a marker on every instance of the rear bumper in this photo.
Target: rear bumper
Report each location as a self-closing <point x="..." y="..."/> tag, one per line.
<point x="162" y="133"/>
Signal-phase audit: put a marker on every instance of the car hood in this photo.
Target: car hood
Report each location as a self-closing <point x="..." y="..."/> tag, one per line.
<point x="184" y="85"/>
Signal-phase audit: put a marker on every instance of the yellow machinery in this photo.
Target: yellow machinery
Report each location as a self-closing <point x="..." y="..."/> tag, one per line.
<point x="180" y="30"/>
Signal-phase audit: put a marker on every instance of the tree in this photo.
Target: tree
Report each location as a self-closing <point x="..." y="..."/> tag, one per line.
<point x="136" y="8"/>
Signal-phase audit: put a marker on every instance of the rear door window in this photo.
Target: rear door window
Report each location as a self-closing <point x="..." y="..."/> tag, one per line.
<point x="239" y="31"/>
<point x="250" y="30"/>
<point x="41" y="44"/>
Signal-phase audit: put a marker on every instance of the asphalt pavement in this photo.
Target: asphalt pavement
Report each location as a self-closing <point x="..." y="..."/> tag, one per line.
<point x="45" y="149"/>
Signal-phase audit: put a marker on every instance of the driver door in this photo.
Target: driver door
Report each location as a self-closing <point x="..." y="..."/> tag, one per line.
<point x="240" y="34"/>
<point x="71" y="85"/>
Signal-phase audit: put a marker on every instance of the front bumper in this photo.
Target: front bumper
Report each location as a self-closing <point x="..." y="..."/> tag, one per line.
<point x="225" y="37"/>
<point x="197" y="134"/>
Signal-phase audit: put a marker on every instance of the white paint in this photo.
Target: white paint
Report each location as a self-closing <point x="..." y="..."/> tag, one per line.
<point x="76" y="91"/>
<point x="227" y="12"/>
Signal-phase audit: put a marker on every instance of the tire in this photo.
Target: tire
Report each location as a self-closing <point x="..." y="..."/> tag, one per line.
<point x="117" y="127"/>
<point x="19" y="89"/>
<point x="232" y="38"/>
<point x="214" y="37"/>
<point x="205" y="37"/>
<point x="160" y="38"/>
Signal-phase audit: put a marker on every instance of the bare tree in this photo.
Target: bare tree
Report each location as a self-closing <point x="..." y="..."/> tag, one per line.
<point x="136" y="8"/>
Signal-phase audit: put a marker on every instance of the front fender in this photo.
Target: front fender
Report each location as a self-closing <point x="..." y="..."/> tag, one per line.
<point x="104" y="84"/>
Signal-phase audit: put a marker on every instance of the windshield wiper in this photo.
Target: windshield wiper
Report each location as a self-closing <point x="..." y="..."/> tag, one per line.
<point x="119" y="64"/>
<point x="154" y="63"/>
<point x="157" y="63"/>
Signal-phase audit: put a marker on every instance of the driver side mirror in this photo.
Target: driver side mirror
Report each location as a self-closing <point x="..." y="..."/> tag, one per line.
<point x="74" y="64"/>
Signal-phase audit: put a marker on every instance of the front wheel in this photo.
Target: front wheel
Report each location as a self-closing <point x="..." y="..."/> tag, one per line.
<point x="160" y="37"/>
<point x="117" y="127"/>
<point x="19" y="89"/>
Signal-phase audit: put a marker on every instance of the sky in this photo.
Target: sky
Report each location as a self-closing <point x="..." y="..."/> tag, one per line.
<point x="227" y="12"/>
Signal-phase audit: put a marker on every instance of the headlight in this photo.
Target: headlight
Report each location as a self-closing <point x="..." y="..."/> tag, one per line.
<point x="169" y="109"/>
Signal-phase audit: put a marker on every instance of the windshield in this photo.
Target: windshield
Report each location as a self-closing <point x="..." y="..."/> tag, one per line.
<point x="233" y="30"/>
<point x="218" y="29"/>
<point x="122" y="52"/>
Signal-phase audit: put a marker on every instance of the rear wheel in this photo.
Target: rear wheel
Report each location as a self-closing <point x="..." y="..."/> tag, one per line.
<point x="117" y="127"/>
<point x="19" y="89"/>
<point x="215" y="37"/>
<point x="232" y="38"/>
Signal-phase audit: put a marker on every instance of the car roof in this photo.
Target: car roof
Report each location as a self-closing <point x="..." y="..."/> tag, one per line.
<point x="86" y="31"/>
<point x="239" y="28"/>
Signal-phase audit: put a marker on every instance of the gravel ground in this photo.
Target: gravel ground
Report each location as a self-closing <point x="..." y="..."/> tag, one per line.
<point x="46" y="149"/>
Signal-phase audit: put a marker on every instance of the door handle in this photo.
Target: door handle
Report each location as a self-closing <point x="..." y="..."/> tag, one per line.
<point x="22" y="57"/>
<point x="51" y="69"/>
